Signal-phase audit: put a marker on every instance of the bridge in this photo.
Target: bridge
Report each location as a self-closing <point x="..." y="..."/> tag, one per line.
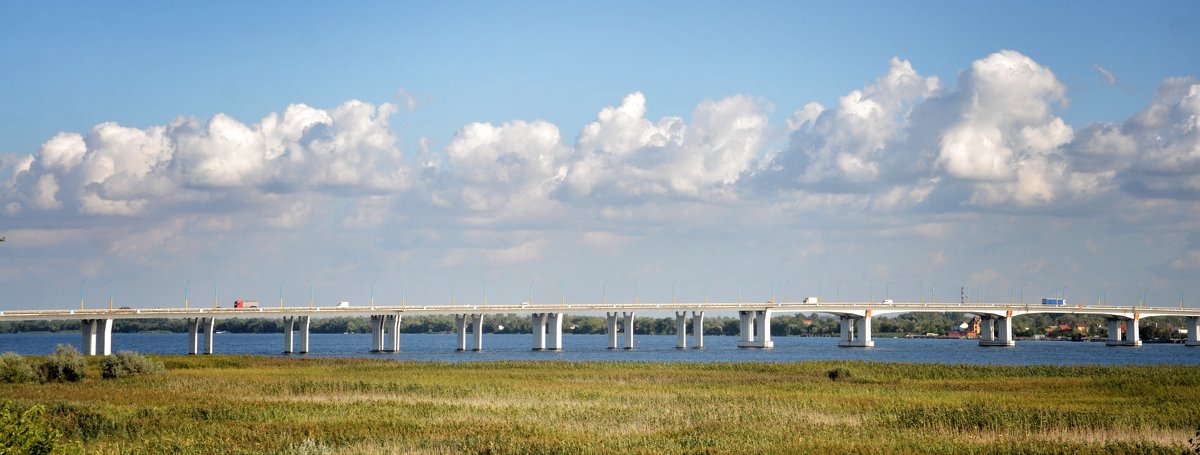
<point x="754" y="329"/>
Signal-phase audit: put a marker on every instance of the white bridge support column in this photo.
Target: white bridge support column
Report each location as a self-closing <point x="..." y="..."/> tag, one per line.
<point x="680" y="330"/>
<point x="477" y="330"/>
<point x="393" y="327"/>
<point x="289" y="329"/>
<point x="698" y="329"/>
<point x="628" y="329"/>
<point x="210" y="327"/>
<point x="539" y="331"/>
<point x="97" y="336"/>
<point x="555" y="326"/>
<point x="856" y="331"/>
<point x="1127" y="337"/>
<point x="1193" y="328"/>
<point x="996" y="331"/>
<point x="88" y="344"/>
<point x="460" y="329"/>
<point x="305" y="322"/>
<point x="756" y="329"/>
<point x="378" y="332"/>
<point x="193" y="335"/>
<point x="745" y="328"/>
<point x="612" y="330"/>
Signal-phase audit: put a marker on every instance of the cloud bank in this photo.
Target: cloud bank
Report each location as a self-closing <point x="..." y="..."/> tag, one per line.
<point x="992" y="141"/>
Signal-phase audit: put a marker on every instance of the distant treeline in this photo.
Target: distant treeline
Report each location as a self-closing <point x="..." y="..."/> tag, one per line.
<point x="781" y="325"/>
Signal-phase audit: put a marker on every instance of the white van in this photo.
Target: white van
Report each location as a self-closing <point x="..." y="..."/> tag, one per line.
<point x="811" y="300"/>
<point x="343" y="305"/>
<point x="888" y="301"/>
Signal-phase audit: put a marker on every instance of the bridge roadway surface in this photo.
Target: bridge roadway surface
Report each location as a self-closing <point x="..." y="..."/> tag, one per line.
<point x="754" y="331"/>
<point x="846" y="308"/>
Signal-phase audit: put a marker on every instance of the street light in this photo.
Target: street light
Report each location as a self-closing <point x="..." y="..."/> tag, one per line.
<point x="531" y="291"/>
<point x="281" y="293"/>
<point x="185" y="293"/>
<point x="81" y="283"/>
<point x="109" y="295"/>
<point x="604" y="292"/>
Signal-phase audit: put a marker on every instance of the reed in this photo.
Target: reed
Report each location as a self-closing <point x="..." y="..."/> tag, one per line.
<point x="247" y="404"/>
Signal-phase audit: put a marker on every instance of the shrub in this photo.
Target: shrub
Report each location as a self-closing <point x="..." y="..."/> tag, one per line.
<point x="839" y="374"/>
<point x="130" y="364"/>
<point x="26" y="432"/>
<point x="66" y="364"/>
<point x="14" y="369"/>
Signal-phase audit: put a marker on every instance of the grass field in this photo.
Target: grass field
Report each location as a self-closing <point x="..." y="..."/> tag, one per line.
<point x="244" y="404"/>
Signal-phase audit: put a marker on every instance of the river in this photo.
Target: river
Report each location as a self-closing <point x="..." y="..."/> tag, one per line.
<point x="649" y="348"/>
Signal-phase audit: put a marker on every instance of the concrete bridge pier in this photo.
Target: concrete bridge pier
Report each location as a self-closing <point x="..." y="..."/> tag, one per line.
<point x="305" y="323"/>
<point x="698" y="329"/>
<point x="1127" y="337"/>
<point x="555" y="326"/>
<point x="210" y="327"/>
<point x="460" y="329"/>
<point x="628" y="329"/>
<point x="612" y="330"/>
<point x="539" y="331"/>
<point x="1193" y="328"/>
<point x="680" y="330"/>
<point x="755" y="329"/>
<point x="745" y="328"/>
<point x="856" y="331"/>
<point x="97" y="336"/>
<point x="391" y="327"/>
<point x="377" y="332"/>
<point x="996" y="331"/>
<point x="193" y="335"/>
<point x="477" y="330"/>
<point x="289" y="328"/>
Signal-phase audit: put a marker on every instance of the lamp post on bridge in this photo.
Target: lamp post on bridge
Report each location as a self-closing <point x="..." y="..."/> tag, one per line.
<point x="281" y="293"/>
<point x="372" y="294"/>
<point x="81" y="284"/>
<point x="604" y="293"/>
<point x="185" y="293"/>
<point x="531" y="291"/>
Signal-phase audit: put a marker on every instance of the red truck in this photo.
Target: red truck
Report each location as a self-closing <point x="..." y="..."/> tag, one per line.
<point x="245" y="304"/>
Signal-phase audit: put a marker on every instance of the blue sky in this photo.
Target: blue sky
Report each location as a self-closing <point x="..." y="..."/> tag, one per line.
<point x="993" y="146"/>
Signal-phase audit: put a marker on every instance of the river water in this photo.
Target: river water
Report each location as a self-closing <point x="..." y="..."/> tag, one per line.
<point x="648" y="348"/>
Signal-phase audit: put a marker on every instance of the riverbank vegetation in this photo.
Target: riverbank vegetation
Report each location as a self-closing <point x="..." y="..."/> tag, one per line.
<point x="247" y="404"/>
<point x="781" y="325"/>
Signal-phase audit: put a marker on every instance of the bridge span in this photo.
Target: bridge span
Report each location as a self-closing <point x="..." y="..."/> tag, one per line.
<point x="754" y="329"/>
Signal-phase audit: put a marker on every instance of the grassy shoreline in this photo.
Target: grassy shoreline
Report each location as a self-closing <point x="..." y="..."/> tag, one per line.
<point x="251" y="404"/>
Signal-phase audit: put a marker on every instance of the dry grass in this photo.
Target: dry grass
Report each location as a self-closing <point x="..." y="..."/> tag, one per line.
<point x="243" y="404"/>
